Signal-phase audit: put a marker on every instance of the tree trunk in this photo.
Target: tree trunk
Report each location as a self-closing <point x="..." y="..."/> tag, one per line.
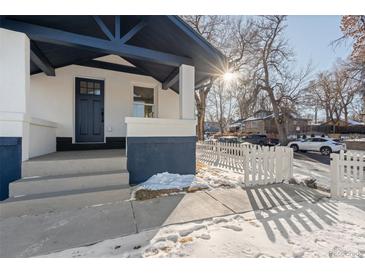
<point x="200" y="106"/>
<point x="315" y="115"/>
<point x="280" y="123"/>
<point x="200" y="125"/>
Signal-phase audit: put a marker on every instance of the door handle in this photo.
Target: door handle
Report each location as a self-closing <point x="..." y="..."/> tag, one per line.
<point x="102" y="116"/>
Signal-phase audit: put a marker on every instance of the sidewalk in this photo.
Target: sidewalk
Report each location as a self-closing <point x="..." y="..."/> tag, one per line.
<point x="54" y="224"/>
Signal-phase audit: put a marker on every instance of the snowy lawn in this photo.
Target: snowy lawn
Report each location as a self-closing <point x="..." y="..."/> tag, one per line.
<point x="211" y="177"/>
<point x="167" y="183"/>
<point x="325" y="229"/>
<point x="306" y="170"/>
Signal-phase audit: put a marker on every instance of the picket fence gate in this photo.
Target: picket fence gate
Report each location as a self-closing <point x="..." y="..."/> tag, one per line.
<point x="259" y="164"/>
<point x="347" y="174"/>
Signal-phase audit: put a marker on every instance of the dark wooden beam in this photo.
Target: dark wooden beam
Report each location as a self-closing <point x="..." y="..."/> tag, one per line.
<point x="133" y="31"/>
<point x="111" y="66"/>
<point x="171" y="79"/>
<point x="103" y="27"/>
<point x="41" y="61"/>
<point x="56" y="36"/>
<point x="117" y="27"/>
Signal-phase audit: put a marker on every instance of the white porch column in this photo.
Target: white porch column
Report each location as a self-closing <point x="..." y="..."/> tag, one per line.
<point x="14" y="87"/>
<point x="186" y="89"/>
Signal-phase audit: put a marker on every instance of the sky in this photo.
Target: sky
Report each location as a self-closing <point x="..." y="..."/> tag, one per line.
<point x="311" y="36"/>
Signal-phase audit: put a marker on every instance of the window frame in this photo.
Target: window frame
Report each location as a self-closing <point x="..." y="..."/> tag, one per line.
<point x="155" y="99"/>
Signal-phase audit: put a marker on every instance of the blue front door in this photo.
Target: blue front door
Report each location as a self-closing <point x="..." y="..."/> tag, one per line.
<point x="89" y="110"/>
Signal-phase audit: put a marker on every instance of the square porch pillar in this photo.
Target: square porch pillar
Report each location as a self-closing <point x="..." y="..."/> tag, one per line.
<point x="186" y="92"/>
<point x="14" y="88"/>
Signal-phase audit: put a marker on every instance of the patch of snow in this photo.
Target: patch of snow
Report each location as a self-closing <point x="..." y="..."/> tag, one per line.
<point x="167" y="180"/>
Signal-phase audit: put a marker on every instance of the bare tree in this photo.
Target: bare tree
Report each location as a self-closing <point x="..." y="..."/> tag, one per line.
<point x="245" y="94"/>
<point x="211" y="28"/>
<point x="275" y="74"/>
<point x="353" y="26"/>
<point x="229" y="34"/>
<point x="221" y="105"/>
<point x="336" y="91"/>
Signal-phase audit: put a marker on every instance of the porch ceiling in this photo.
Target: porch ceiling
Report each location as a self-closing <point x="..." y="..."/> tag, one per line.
<point x="156" y="45"/>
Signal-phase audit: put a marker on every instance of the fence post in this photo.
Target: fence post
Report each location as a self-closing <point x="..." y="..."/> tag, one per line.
<point x="335" y="175"/>
<point x="278" y="164"/>
<point x="246" y="153"/>
<point x="219" y="150"/>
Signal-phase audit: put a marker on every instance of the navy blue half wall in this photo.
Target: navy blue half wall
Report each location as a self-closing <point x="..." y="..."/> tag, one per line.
<point x="147" y="156"/>
<point x="10" y="163"/>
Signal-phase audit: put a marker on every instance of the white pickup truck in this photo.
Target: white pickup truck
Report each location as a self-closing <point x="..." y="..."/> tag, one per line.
<point x="324" y="145"/>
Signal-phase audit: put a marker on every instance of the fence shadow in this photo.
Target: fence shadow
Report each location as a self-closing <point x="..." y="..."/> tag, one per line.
<point x="288" y="208"/>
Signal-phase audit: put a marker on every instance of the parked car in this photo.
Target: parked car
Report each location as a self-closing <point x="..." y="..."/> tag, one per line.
<point x="324" y="145"/>
<point x="256" y="139"/>
<point x="228" y="139"/>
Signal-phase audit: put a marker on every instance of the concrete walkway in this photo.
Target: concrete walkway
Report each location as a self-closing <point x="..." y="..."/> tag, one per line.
<point x="41" y="226"/>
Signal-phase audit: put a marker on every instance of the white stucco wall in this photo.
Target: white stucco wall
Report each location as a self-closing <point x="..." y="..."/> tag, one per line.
<point x="14" y="87"/>
<point x="53" y="98"/>
<point x="141" y="127"/>
<point x="42" y="137"/>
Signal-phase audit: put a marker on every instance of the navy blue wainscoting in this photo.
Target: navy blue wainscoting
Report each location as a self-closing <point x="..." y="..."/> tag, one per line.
<point x="10" y="163"/>
<point x="147" y="156"/>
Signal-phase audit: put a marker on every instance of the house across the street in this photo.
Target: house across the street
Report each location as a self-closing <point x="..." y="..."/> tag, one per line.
<point x="92" y="83"/>
<point x="262" y="122"/>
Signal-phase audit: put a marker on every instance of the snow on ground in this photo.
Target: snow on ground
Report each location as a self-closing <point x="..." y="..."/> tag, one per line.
<point x="218" y="177"/>
<point x="167" y="180"/>
<point x="328" y="228"/>
<point x="303" y="170"/>
<point x="207" y="177"/>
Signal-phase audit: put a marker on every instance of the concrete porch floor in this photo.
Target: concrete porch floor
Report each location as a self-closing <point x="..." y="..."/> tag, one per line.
<point x="38" y="227"/>
<point x="81" y="154"/>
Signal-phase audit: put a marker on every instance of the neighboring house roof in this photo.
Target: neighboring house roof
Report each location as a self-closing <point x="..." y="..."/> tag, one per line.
<point x="343" y="122"/>
<point x="66" y="40"/>
<point x="262" y="116"/>
<point x="253" y="118"/>
<point x="355" y="123"/>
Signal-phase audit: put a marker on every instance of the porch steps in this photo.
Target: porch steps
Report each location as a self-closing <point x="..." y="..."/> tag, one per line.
<point x="73" y="163"/>
<point x="69" y="171"/>
<point x="59" y="183"/>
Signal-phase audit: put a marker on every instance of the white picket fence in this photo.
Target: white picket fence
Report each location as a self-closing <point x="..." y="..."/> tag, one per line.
<point x="259" y="164"/>
<point x="347" y="174"/>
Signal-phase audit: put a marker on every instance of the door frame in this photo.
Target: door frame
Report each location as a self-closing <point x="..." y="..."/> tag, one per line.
<point x="75" y="78"/>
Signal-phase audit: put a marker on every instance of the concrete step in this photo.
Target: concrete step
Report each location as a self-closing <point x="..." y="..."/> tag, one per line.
<point x="63" y="201"/>
<point x="59" y="183"/>
<point x="71" y="163"/>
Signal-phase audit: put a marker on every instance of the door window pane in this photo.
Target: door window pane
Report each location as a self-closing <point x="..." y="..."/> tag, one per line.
<point x="96" y="88"/>
<point x="83" y="90"/>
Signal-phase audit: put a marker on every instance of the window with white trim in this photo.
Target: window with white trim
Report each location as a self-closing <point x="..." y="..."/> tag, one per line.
<point x="143" y="102"/>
